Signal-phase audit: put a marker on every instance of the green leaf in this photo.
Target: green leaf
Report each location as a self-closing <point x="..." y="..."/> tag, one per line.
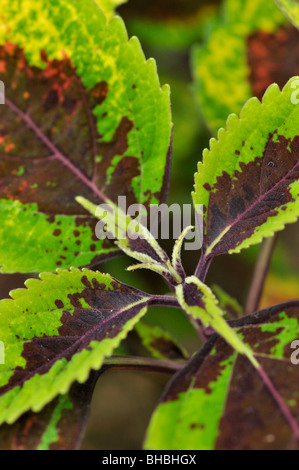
<point x="198" y="301"/>
<point x="219" y="400"/>
<point x="174" y="25"/>
<point x="177" y="253"/>
<point x="59" y="426"/>
<point x="31" y="241"/>
<point x="159" y="342"/>
<point x="77" y="120"/>
<point x="291" y="9"/>
<point x="248" y="182"/>
<point x="57" y="330"/>
<point x="259" y="14"/>
<point x="248" y="49"/>
<point x="134" y="239"/>
<point x="108" y="6"/>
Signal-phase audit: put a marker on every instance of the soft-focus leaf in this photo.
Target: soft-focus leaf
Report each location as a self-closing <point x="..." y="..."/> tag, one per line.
<point x="108" y="6"/>
<point x="248" y="182"/>
<point x="228" y="304"/>
<point x="77" y="120"/>
<point x="159" y="342"/>
<point x="59" y="426"/>
<point x="218" y="401"/>
<point x="57" y="330"/>
<point x="291" y="9"/>
<point x="249" y="48"/>
<point x="166" y="24"/>
<point x="188" y="126"/>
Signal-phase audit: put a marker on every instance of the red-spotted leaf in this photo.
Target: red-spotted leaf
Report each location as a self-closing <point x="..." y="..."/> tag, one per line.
<point x="59" y="426"/>
<point x="57" y="330"/>
<point x="250" y="47"/>
<point x="220" y="401"/>
<point x="76" y="121"/>
<point x="248" y="182"/>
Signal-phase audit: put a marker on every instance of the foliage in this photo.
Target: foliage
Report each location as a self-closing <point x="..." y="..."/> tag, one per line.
<point x="291" y="9"/>
<point x="253" y="159"/>
<point x="86" y="121"/>
<point x="100" y="128"/>
<point x="245" y="51"/>
<point x="218" y="401"/>
<point x="109" y="6"/>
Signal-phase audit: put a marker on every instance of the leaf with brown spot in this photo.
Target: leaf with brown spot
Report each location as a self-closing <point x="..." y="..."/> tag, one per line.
<point x="247" y="48"/>
<point x="58" y="329"/>
<point x="272" y="58"/>
<point x="72" y="124"/>
<point x="219" y="401"/>
<point x="59" y="426"/>
<point x="248" y="182"/>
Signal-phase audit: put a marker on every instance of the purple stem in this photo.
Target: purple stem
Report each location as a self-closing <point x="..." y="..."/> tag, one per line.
<point x="163" y="301"/>
<point x="203" y="268"/>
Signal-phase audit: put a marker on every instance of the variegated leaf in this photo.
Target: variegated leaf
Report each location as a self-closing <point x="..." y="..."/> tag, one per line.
<point x="250" y="47"/>
<point x="60" y="425"/>
<point x="76" y="120"/>
<point x="134" y="239"/>
<point x="57" y="330"/>
<point x="291" y="9"/>
<point x="248" y="182"/>
<point x="219" y="401"/>
<point x="199" y="302"/>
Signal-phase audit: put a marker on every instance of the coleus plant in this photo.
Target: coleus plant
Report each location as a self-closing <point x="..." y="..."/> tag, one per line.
<point x="248" y="46"/>
<point x="85" y="121"/>
<point x="291" y="9"/>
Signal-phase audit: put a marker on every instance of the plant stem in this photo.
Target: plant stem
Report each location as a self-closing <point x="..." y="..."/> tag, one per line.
<point x="147" y="364"/>
<point x="203" y="268"/>
<point x="164" y="301"/>
<point x="259" y="275"/>
<point x="201" y="273"/>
